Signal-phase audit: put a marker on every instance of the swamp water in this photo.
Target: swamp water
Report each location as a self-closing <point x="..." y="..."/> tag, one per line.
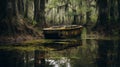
<point x="87" y="53"/>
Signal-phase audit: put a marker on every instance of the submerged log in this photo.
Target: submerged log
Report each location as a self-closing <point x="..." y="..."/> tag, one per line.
<point x="57" y="32"/>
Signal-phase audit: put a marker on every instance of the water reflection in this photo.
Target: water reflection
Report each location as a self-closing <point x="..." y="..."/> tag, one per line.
<point x="39" y="58"/>
<point x="14" y="58"/>
<point x="92" y="53"/>
<point x="62" y="62"/>
<point x="108" y="53"/>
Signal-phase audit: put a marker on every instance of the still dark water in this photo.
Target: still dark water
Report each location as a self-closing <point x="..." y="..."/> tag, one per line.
<point x="89" y="53"/>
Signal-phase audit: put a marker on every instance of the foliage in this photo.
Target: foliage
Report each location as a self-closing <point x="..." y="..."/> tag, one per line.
<point x="63" y="12"/>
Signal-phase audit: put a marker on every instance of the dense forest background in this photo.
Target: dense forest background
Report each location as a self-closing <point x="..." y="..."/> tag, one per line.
<point x="19" y="18"/>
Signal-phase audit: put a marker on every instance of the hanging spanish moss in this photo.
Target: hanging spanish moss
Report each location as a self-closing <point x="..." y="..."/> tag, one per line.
<point x="70" y="11"/>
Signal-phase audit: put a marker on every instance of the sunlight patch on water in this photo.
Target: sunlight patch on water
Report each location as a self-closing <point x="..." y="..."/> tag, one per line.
<point x="58" y="63"/>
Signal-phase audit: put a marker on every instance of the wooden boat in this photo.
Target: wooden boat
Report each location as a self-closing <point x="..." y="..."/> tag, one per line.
<point x="66" y="31"/>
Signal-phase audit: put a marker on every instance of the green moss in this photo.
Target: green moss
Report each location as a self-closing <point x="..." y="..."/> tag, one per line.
<point x="35" y="45"/>
<point x="25" y="48"/>
<point x="42" y="44"/>
<point x="36" y="42"/>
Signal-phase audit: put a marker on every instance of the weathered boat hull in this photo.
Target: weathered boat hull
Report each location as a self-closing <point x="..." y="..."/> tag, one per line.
<point x="62" y="33"/>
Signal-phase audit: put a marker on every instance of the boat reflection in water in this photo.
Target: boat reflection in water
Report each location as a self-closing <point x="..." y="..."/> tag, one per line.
<point x="92" y="53"/>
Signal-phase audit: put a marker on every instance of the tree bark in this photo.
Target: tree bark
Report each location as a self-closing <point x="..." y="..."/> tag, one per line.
<point x="21" y="6"/>
<point x="118" y="10"/>
<point x="39" y="12"/>
<point x="10" y="10"/>
<point x="103" y="15"/>
<point x="11" y="23"/>
<point x="26" y="9"/>
<point x="74" y="17"/>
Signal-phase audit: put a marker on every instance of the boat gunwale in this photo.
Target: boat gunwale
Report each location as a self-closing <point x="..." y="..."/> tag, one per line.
<point x="61" y="29"/>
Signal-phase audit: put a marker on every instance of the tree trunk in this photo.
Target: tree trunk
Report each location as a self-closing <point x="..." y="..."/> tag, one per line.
<point x="10" y="10"/>
<point x="11" y="23"/>
<point x="21" y="6"/>
<point x="39" y="12"/>
<point x="74" y="17"/>
<point x="26" y="9"/>
<point x="119" y="10"/>
<point x="102" y="15"/>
